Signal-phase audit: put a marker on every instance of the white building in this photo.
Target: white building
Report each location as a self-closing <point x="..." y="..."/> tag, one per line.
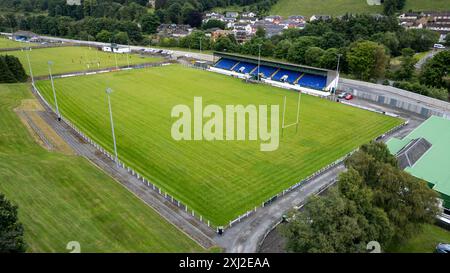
<point x="116" y="49"/>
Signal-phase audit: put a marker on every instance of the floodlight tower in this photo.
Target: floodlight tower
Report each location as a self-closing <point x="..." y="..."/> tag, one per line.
<point x="259" y="59"/>
<point x="50" y="63"/>
<point x="29" y="65"/>
<point x="108" y="94"/>
<point x="337" y="74"/>
<point x="128" y="53"/>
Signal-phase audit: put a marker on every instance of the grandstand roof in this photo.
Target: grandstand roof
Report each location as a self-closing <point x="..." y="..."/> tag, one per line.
<point x="432" y="164"/>
<point x="268" y="62"/>
<point x="412" y="152"/>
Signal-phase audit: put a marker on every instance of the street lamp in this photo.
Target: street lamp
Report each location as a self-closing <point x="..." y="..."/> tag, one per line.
<point x="50" y="63"/>
<point x="108" y="93"/>
<point x="259" y="59"/>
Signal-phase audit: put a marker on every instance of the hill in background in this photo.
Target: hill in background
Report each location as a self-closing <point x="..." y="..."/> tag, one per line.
<point x="340" y="7"/>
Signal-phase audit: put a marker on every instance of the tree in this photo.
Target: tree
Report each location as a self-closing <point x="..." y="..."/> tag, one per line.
<point x="447" y="40"/>
<point x="407" y="201"/>
<point x="367" y="60"/>
<point x="313" y="56"/>
<point x="121" y="38"/>
<point x="298" y="49"/>
<point x="224" y="43"/>
<point x="389" y="40"/>
<point x="104" y="36"/>
<point x="150" y="23"/>
<point x="390" y="7"/>
<point x="333" y="40"/>
<point x="436" y="71"/>
<point x="418" y="39"/>
<point x="282" y="49"/>
<point x="260" y="32"/>
<point x="174" y="13"/>
<point x="407" y="68"/>
<point x="11" y="230"/>
<point x="213" y="24"/>
<point x="6" y="76"/>
<point x="16" y="68"/>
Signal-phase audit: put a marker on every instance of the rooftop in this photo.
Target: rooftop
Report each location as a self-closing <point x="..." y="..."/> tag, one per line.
<point x="433" y="165"/>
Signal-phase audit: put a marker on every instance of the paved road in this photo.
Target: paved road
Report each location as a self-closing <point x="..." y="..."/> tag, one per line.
<point x="175" y="53"/>
<point x="425" y="58"/>
<point x="245" y="237"/>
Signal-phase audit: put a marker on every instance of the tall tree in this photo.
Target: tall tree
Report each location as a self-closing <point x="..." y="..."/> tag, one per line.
<point x="6" y="76"/>
<point x="367" y="60"/>
<point x="11" y="230"/>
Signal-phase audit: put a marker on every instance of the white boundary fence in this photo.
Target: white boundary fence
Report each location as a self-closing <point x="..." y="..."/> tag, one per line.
<point x="167" y="196"/>
<point x="306" y="180"/>
<point x="130" y="170"/>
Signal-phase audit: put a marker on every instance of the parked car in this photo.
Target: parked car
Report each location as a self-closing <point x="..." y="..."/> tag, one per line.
<point x="348" y="96"/>
<point x="342" y="95"/>
<point x="443" y="248"/>
<point x="439" y="46"/>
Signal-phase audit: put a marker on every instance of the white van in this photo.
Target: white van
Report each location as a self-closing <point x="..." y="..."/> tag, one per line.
<point x="439" y="46"/>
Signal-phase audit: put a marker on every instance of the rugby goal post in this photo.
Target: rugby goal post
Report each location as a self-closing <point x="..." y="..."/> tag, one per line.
<point x="283" y="125"/>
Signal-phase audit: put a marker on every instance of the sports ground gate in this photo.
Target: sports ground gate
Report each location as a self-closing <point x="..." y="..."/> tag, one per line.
<point x="425" y="153"/>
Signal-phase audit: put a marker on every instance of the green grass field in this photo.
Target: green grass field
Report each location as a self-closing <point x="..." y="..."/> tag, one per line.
<point x="65" y="198"/>
<point x="222" y="179"/>
<point x="71" y="59"/>
<point x="7" y="43"/>
<point x="423" y="242"/>
<point x="325" y="7"/>
<point x="430" y="5"/>
<point x="340" y="7"/>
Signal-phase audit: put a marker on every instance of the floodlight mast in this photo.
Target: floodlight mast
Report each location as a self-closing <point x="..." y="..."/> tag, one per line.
<point x="29" y="65"/>
<point x="337" y="74"/>
<point x="259" y="60"/>
<point x="50" y="63"/>
<point x="108" y="93"/>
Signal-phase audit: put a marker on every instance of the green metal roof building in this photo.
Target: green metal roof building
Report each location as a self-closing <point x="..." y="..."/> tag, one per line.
<point x="425" y="153"/>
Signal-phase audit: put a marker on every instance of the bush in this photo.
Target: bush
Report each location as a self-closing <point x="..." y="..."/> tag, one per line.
<point x="437" y="93"/>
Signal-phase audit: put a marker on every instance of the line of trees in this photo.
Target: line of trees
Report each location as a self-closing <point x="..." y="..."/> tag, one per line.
<point x="364" y="42"/>
<point x="432" y="80"/>
<point x="189" y="12"/>
<point x="373" y="201"/>
<point x="11" y="70"/>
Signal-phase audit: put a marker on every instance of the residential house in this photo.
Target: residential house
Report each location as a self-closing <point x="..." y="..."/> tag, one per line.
<point x="232" y="14"/>
<point x="173" y="30"/>
<point x="271" y="29"/>
<point x="320" y="17"/>
<point x="219" y="33"/>
<point x="248" y="14"/>
<point x="242" y="32"/>
<point x="297" y="18"/>
<point x="276" y="19"/>
<point x="292" y="24"/>
<point x="248" y="20"/>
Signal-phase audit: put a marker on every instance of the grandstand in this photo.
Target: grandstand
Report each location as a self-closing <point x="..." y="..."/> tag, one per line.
<point x="311" y="80"/>
<point x="424" y="153"/>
